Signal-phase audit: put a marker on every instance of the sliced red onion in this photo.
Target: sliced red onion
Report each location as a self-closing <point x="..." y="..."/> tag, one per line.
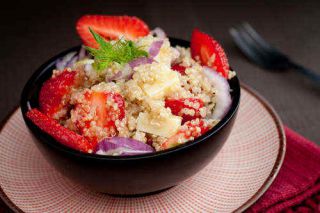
<point x="82" y="53"/>
<point x="140" y="61"/>
<point x="88" y="67"/>
<point x="223" y="97"/>
<point x="116" y="76"/>
<point x="155" y="48"/>
<point x="122" y="146"/>
<point x="126" y="72"/>
<point x="63" y="62"/>
<point x="72" y="61"/>
<point x="158" y="32"/>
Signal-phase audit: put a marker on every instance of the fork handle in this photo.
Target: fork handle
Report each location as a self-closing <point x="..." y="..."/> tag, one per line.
<point x="307" y="72"/>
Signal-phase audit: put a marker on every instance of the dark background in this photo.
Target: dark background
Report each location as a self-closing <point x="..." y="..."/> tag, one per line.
<point x="32" y="32"/>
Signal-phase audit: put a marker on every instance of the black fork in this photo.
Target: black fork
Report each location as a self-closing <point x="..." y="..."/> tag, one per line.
<point x="259" y="51"/>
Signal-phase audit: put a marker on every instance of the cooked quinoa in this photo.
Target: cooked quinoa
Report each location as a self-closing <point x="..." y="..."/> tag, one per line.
<point x="147" y="118"/>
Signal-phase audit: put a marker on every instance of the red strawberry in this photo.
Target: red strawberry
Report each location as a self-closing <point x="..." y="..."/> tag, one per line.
<point x="110" y="27"/>
<point x="55" y="93"/>
<point x="209" y="51"/>
<point x="189" y="131"/>
<point x="187" y="108"/>
<point x="95" y="117"/>
<point x="60" y="133"/>
<point x="179" y="68"/>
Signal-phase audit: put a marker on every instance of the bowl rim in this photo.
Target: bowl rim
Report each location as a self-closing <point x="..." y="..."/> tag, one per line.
<point x="25" y="106"/>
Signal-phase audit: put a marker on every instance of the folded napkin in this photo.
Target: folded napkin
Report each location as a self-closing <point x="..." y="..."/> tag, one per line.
<point x="297" y="186"/>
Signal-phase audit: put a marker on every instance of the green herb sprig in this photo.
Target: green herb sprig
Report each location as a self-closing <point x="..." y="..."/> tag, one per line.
<point x="122" y="51"/>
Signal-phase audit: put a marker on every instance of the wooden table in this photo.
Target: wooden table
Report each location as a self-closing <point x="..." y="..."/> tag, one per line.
<point x="33" y="32"/>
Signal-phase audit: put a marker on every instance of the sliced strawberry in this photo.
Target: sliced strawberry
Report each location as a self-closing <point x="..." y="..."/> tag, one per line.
<point x="95" y="117"/>
<point x="209" y="52"/>
<point x="55" y="93"/>
<point x="187" y="108"/>
<point x="58" y="132"/>
<point x="189" y="131"/>
<point x="179" y="68"/>
<point x="110" y="27"/>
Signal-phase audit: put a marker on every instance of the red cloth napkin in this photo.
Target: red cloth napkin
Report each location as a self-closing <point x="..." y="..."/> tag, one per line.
<point x="297" y="186"/>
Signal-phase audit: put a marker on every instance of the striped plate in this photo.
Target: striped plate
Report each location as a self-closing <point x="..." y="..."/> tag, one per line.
<point x="235" y="179"/>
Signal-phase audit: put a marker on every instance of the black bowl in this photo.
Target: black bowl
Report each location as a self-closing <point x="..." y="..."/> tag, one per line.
<point x="127" y="175"/>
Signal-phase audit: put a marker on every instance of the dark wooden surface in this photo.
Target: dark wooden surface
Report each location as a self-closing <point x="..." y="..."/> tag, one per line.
<point x="32" y="32"/>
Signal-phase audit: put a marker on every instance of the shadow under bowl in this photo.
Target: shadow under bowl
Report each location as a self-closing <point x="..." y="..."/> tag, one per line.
<point x="127" y="175"/>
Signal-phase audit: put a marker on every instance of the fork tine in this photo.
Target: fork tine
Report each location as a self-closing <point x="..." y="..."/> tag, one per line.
<point x="269" y="56"/>
<point x="264" y="54"/>
<point x="259" y="50"/>
<point x="258" y="38"/>
<point x="247" y="48"/>
<point x="274" y="53"/>
<point x="273" y="57"/>
<point x="253" y="43"/>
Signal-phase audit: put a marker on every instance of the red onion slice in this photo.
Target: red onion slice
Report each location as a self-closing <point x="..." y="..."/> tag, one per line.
<point x="223" y="97"/>
<point x="71" y="58"/>
<point x="155" y="48"/>
<point x="88" y="67"/>
<point x="153" y="52"/>
<point x="72" y="61"/>
<point x="158" y="32"/>
<point x="122" y="146"/>
<point x="63" y="62"/>
<point x="140" y="61"/>
<point x="82" y="53"/>
<point x="116" y="76"/>
<point x="126" y="72"/>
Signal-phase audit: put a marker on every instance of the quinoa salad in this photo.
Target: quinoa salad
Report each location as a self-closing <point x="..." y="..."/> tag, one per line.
<point x="128" y="91"/>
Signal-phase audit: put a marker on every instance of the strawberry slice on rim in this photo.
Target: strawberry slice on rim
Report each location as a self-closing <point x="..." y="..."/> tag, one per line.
<point x="95" y="117"/>
<point x="58" y="132"/>
<point x="187" y="108"/>
<point x="110" y="28"/>
<point x="55" y="93"/>
<point x="209" y="52"/>
<point x="188" y="131"/>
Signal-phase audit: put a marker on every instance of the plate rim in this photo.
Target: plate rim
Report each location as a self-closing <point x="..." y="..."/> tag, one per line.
<point x="281" y="152"/>
<point x="264" y="187"/>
